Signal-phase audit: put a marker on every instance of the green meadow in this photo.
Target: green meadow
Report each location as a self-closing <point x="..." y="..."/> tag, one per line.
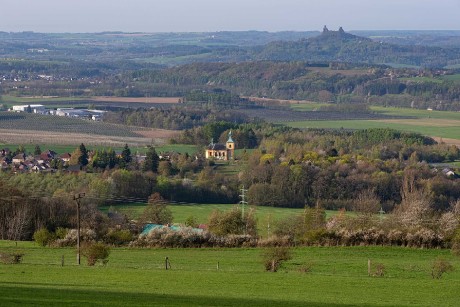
<point x="266" y="216"/>
<point x="336" y="276"/>
<point x="442" y="124"/>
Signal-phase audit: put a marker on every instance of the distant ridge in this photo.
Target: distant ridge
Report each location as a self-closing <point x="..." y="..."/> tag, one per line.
<point x="340" y="46"/>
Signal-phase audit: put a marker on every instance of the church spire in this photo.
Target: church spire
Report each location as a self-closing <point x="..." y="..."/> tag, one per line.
<point x="230" y="140"/>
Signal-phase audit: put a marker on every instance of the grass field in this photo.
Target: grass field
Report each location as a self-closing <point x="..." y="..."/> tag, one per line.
<point x="136" y="277"/>
<point x="266" y="216"/>
<point x="441" y="124"/>
<point x="26" y="100"/>
<point x="421" y="79"/>
<point x="455" y="77"/>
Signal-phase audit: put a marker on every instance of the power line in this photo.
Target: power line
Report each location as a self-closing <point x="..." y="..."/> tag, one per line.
<point x="243" y="201"/>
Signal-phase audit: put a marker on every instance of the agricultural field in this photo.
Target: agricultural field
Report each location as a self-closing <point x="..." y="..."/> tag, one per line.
<point x="60" y="149"/>
<point x="102" y="102"/>
<point x="25" y="121"/>
<point x="440" y="124"/>
<point x="8" y="99"/>
<point x="455" y="78"/>
<point x="285" y="116"/>
<point x="47" y="129"/>
<point x="315" y="276"/>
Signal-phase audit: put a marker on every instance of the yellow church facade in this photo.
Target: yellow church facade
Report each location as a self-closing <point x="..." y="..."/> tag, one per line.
<point x="223" y="152"/>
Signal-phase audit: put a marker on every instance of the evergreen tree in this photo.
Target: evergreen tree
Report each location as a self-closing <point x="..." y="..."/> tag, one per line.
<point x="125" y="157"/>
<point x="111" y="158"/>
<point x="79" y="156"/>
<point x="83" y="158"/>
<point x="151" y="160"/>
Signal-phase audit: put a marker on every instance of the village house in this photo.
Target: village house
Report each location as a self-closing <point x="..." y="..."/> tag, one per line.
<point x="223" y="152"/>
<point x="19" y="158"/>
<point x="65" y="157"/>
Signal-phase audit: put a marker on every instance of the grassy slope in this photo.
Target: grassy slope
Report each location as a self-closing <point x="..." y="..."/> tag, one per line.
<point x="136" y="277"/>
<point x="265" y="215"/>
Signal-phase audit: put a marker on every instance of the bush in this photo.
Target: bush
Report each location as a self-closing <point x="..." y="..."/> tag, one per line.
<point x="273" y="257"/>
<point x="306" y="268"/>
<point x="232" y="222"/>
<point x="191" y="222"/>
<point x="10" y="258"/>
<point x="455" y="249"/>
<point x="380" y="270"/>
<point x="189" y="237"/>
<point x="43" y="237"/>
<point x="94" y="252"/>
<point x="61" y="233"/>
<point x="70" y="238"/>
<point x="156" y="212"/>
<point x="118" y="237"/>
<point x="439" y="267"/>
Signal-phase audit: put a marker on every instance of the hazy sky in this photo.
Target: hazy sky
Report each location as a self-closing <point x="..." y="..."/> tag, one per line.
<point x="217" y="15"/>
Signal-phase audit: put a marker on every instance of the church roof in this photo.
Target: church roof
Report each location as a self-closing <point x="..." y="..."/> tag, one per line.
<point x="217" y="147"/>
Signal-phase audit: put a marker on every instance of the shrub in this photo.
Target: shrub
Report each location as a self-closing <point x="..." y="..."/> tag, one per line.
<point x="118" y="237"/>
<point x="380" y="270"/>
<point x="61" y="233"/>
<point x="306" y="268"/>
<point x="189" y="237"/>
<point x="94" y="252"/>
<point x="157" y="211"/>
<point x="439" y="267"/>
<point x="455" y="249"/>
<point x="70" y="238"/>
<point x="232" y="222"/>
<point x="274" y="241"/>
<point x="10" y="258"/>
<point x="191" y="222"/>
<point x="273" y="257"/>
<point x="43" y="237"/>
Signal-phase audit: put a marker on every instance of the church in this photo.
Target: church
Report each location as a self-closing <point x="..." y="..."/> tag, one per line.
<point x="223" y="152"/>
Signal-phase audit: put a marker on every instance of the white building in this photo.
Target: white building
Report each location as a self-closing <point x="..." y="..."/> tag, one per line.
<point x="35" y="108"/>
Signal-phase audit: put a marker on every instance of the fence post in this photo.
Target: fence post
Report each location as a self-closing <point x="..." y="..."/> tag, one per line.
<point x="369" y="267"/>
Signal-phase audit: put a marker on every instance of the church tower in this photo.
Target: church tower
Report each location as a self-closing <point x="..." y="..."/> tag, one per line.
<point x="230" y="145"/>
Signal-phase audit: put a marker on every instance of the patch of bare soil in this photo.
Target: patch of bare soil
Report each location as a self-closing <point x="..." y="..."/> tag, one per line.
<point x="447" y="141"/>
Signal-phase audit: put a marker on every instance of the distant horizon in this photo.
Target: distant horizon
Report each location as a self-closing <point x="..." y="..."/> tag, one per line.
<point x="184" y="16"/>
<point x="250" y="30"/>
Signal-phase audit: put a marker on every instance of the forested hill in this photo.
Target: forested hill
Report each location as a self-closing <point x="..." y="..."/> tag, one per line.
<point x="340" y="46"/>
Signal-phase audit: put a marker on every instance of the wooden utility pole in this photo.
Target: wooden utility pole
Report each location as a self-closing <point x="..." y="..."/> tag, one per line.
<point x="77" y="198"/>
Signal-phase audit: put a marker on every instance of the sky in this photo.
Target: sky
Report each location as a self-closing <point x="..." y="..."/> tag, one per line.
<point x="228" y="15"/>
